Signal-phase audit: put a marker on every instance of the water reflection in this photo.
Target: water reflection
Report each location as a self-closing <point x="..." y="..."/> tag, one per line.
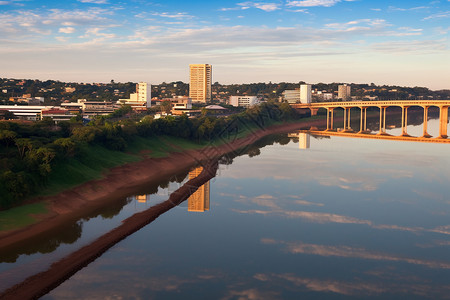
<point x="199" y="201"/>
<point x="142" y="198"/>
<point x="347" y="218"/>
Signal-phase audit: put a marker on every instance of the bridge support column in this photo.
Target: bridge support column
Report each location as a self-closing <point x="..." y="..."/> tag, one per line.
<point x="404" y="121"/>
<point x="347" y="119"/>
<point x="363" y="120"/>
<point x="443" y="120"/>
<point x="330" y="118"/>
<point x="382" y="120"/>
<point x="425" y="122"/>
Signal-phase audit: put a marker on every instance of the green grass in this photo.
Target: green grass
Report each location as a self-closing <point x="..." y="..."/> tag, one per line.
<point x="95" y="160"/>
<point x="89" y="165"/>
<point x="21" y="216"/>
<point x="161" y="146"/>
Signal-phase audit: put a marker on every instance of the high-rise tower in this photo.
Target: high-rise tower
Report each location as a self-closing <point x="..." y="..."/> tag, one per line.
<point x="144" y="93"/>
<point x="344" y="92"/>
<point x="200" y="76"/>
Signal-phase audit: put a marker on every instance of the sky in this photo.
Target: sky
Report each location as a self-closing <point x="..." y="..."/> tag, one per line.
<point x="402" y="43"/>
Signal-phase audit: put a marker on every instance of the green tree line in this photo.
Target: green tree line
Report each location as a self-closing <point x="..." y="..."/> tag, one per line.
<point x="29" y="152"/>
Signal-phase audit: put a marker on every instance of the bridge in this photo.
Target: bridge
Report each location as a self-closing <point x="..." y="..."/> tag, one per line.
<point x="443" y="106"/>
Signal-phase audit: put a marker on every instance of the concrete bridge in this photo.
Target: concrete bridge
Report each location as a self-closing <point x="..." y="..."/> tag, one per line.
<point x="443" y="106"/>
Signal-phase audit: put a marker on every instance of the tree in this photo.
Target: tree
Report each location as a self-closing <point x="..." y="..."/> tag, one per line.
<point x="23" y="145"/>
<point x="7" y="137"/>
<point x="166" y="106"/>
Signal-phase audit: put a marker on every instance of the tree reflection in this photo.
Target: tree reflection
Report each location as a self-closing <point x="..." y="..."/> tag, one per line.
<point x="66" y="234"/>
<point x="71" y="232"/>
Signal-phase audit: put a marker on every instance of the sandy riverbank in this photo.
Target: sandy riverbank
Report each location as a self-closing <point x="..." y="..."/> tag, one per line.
<point x="120" y="182"/>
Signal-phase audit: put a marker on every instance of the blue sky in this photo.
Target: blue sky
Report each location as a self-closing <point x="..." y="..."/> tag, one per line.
<point x="385" y="42"/>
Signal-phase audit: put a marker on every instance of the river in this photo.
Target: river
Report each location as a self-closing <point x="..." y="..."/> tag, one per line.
<point x="343" y="218"/>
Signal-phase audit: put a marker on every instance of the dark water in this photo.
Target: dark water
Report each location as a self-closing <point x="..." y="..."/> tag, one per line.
<point x="346" y="218"/>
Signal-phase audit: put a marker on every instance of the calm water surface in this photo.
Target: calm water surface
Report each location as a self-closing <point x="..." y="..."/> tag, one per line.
<point x="346" y="218"/>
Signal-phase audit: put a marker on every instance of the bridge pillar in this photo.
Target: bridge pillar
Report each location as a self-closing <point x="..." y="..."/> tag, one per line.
<point x="314" y="111"/>
<point x="382" y="120"/>
<point x="347" y="119"/>
<point x="330" y="118"/>
<point x="363" y="120"/>
<point x="405" y="120"/>
<point x="443" y="120"/>
<point x="425" y="122"/>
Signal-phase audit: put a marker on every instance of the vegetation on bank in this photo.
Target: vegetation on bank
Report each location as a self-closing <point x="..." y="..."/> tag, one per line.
<point x="41" y="157"/>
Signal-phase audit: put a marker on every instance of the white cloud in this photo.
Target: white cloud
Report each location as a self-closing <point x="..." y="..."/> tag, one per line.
<point x="94" y="1"/>
<point x="179" y="15"/>
<point x="440" y="15"/>
<point x="312" y="3"/>
<point x="261" y="5"/>
<point x="67" y="30"/>
<point x="268" y="7"/>
<point x="417" y="46"/>
<point x="393" y="8"/>
<point x="96" y="32"/>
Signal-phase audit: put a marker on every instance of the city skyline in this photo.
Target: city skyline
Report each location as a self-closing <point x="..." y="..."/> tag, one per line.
<point x="401" y="43"/>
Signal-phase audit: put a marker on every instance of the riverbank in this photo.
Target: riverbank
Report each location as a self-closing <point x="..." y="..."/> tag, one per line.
<point x="120" y="181"/>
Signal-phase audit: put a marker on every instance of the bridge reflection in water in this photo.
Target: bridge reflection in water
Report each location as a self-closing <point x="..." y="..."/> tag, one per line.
<point x="443" y="106"/>
<point x="301" y="135"/>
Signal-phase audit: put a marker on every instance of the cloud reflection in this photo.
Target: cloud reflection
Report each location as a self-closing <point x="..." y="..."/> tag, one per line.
<point x="352" y="252"/>
<point x="356" y="287"/>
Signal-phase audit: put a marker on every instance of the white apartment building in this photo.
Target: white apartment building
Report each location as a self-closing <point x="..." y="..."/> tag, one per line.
<point x="305" y="93"/>
<point x="141" y="99"/>
<point x="344" y="92"/>
<point x="200" y="78"/>
<point x="144" y="93"/>
<point x="243" y="101"/>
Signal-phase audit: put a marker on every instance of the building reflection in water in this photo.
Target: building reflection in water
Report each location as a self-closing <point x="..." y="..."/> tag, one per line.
<point x="199" y="201"/>
<point x="304" y="139"/>
<point x="142" y="198"/>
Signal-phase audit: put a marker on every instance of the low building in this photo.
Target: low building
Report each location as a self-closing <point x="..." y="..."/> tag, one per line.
<point x="97" y="108"/>
<point x="291" y="96"/>
<point x="243" y="101"/>
<point x="28" y="99"/>
<point x="26" y="112"/>
<point x="184" y="106"/>
<point x="73" y="107"/>
<point x="56" y="114"/>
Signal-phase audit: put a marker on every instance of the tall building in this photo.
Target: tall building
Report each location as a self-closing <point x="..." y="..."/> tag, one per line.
<point x="144" y="93"/>
<point x="305" y="93"/>
<point x="141" y="99"/>
<point x="344" y="92"/>
<point x="199" y="201"/>
<point x="200" y="77"/>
